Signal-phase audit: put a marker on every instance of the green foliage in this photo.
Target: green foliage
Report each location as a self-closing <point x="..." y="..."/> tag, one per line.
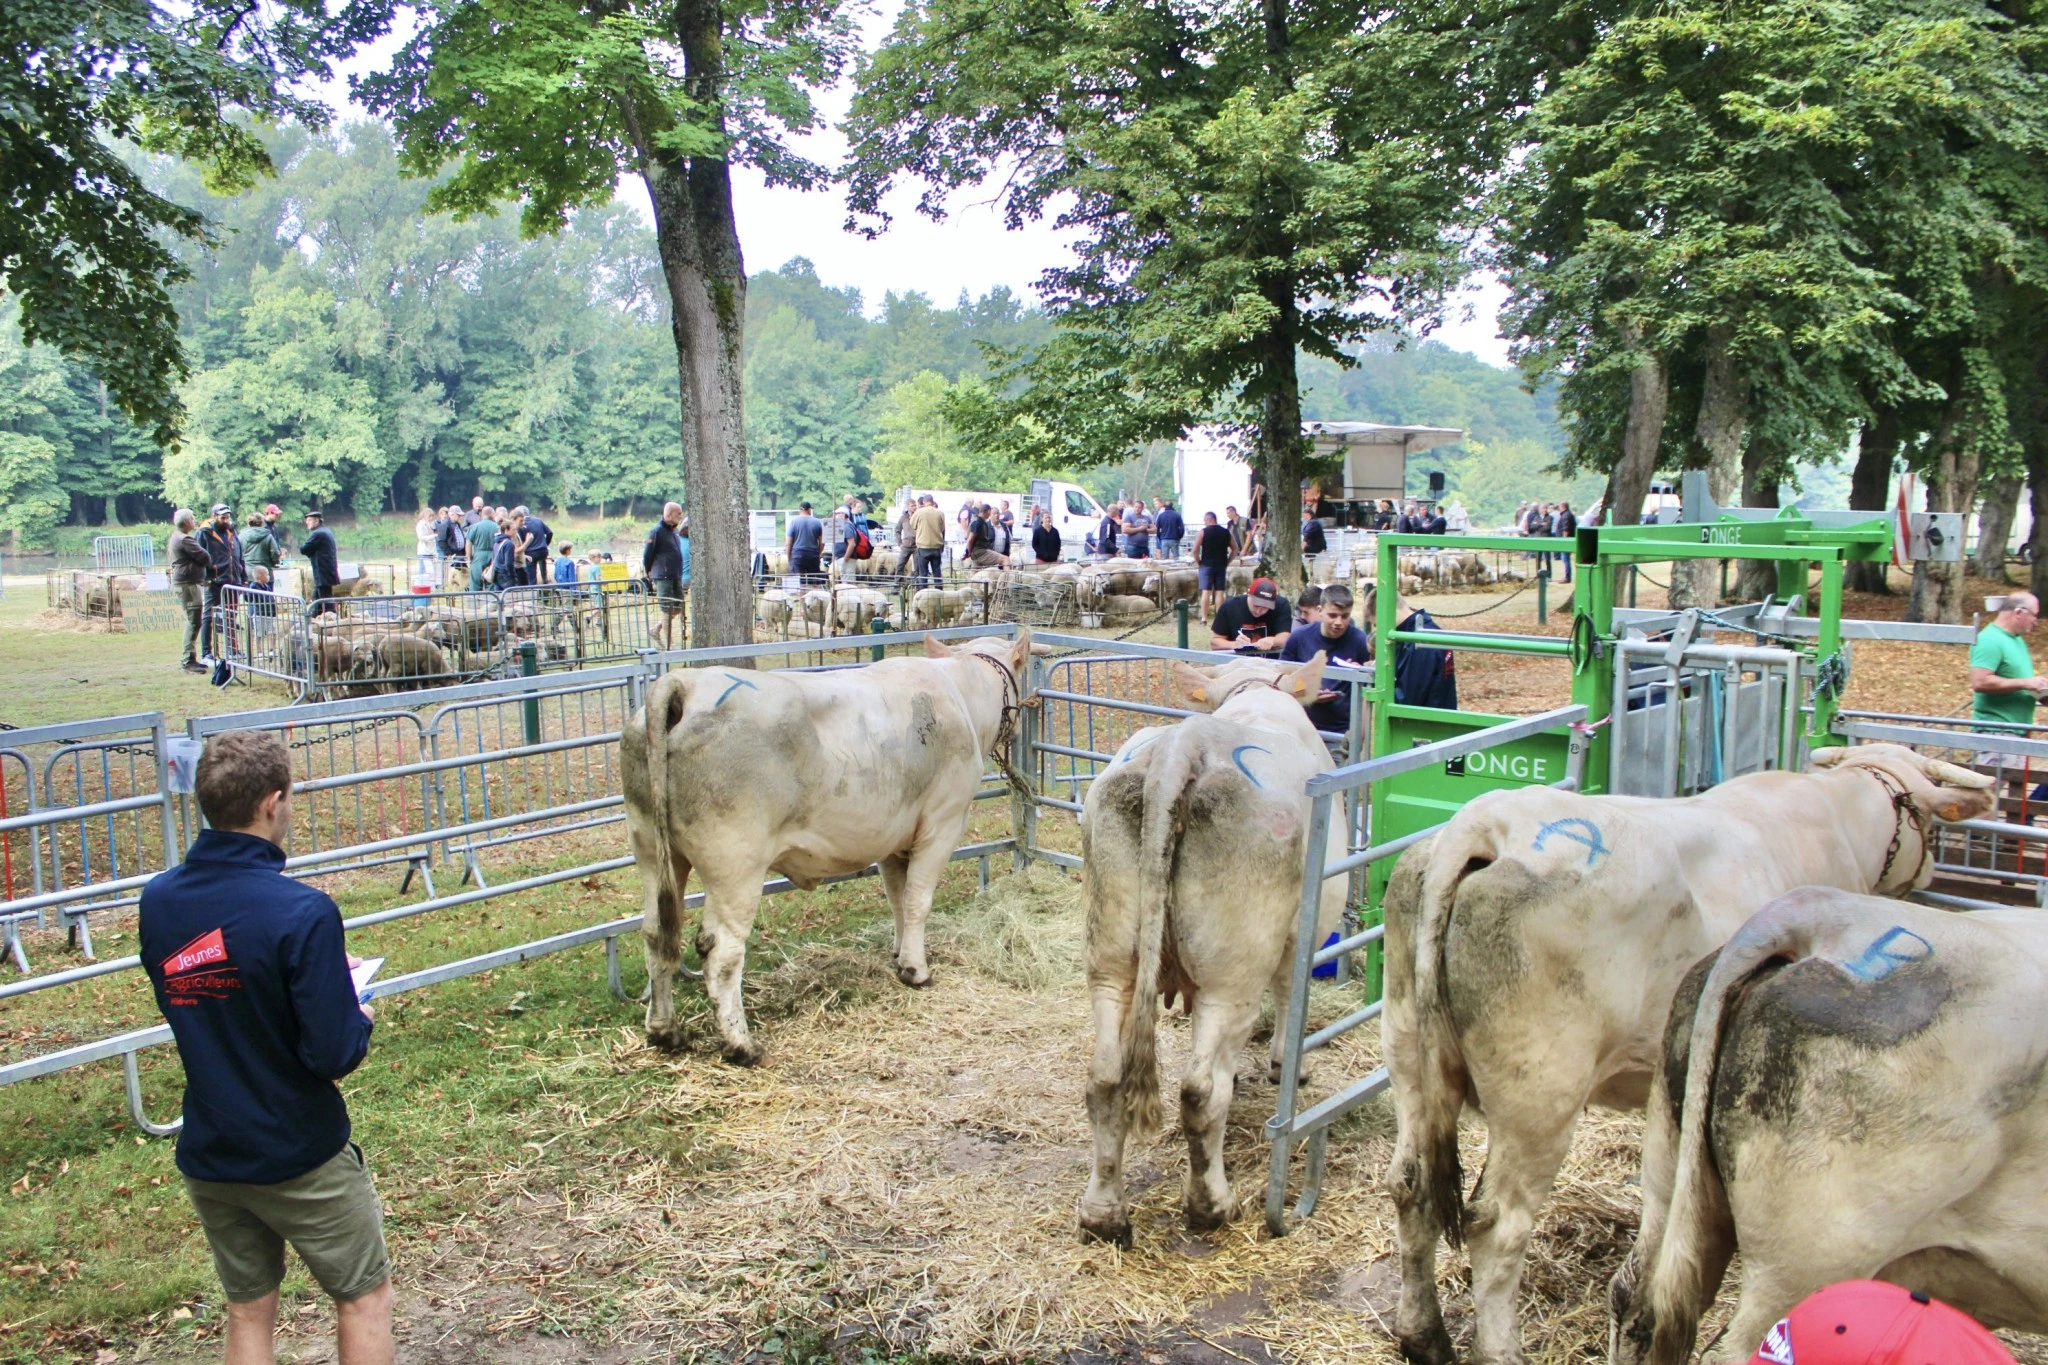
<point x="1245" y="183"/>
<point x="919" y="444"/>
<point x="1779" y="180"/>
<point x="85" y="244"/>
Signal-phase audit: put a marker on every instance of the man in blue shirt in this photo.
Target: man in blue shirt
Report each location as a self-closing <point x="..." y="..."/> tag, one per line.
<point x="1346" y="645"/>
<point x="1170" y="527"/>
<point x="806" y="542"/>
<point x="250" y="971"/>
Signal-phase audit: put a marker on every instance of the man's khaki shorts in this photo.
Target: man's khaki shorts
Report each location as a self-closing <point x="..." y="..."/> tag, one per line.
<point x="330" y="1215"/>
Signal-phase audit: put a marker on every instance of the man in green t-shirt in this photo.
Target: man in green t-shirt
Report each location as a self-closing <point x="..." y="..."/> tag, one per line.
<point x="2002" y="675"/>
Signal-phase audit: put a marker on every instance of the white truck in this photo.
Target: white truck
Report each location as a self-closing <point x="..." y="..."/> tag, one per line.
<point x="1074" y="513"/>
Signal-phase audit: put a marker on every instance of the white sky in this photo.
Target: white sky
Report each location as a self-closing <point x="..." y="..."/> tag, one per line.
<point x="971" y="250"/>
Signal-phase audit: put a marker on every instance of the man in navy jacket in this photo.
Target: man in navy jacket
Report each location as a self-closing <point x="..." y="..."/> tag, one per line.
<point x="251" y="973"/>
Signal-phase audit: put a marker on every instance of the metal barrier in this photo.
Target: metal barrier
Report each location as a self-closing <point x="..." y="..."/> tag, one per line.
<point x="1312" y="1125"/>
<point x="443" y="775"/>
<point x="359" y="646"/>
<point x="92" y="798"/>
<point x="1995" y="851"/>
<point x="116" y="553"/>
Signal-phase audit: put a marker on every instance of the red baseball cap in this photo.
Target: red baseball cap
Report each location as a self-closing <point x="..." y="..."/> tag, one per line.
<point x="1866" y="1322"/>
<point x="1262" y="590"/>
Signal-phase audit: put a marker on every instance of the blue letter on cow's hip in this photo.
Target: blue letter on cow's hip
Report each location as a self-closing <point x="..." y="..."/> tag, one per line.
<point x="1237" y="757"/>
<point x="736" y="683"/>
<point x="1577" y="831"/>
<point x="1892" y="947"/>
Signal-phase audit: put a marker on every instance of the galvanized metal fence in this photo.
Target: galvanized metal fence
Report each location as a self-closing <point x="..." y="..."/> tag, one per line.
<point x="441" y="778"/>
<point x="362" y="646"/>
<point x="85" y="820"/>
<point x="2007" y="855"/>
<point x="1290" y="1124"/>
<point x="114" y="554"/>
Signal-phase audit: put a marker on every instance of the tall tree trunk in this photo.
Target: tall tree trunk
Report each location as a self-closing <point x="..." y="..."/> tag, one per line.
<point x="1868" y="485"/>
<point x="699" y="244"/>
<point x="1762" y="471"/>
<point x="2036" y="454"/>
<point x="1649" y="395"/>
<point x="1717" y="438"/>
<point x="1951" y="487"/>
<point x="1280" y="444"/>
<point x="1994" y="526"/>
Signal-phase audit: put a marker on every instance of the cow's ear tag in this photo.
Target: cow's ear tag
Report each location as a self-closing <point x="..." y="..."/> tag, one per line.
<point x="1199" y="694"/>
<point x="1951" y="811"/>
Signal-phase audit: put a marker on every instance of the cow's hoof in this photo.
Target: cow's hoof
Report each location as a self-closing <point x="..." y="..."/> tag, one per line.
<point x="1116" y="1231"/>
<point x="919" y="977"/>
<point x="741" y="1054"/>
<point x="1206" y="1220"/>
<point x="1429" y="1348"/>
<point x="667" y="1038"/>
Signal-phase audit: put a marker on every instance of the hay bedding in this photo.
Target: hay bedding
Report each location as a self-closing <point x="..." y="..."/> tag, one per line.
<point x="905" y="1168"/>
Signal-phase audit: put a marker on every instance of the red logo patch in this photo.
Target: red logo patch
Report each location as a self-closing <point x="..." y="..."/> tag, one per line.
<point x="208" y="950"/>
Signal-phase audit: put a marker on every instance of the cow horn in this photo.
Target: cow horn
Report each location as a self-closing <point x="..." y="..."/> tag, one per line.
<point x="1954" y="775"/>
<point x="1830" y="755"/>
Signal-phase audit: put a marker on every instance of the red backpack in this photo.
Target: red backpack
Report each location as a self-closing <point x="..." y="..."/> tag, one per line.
<point x="862" y="547"/>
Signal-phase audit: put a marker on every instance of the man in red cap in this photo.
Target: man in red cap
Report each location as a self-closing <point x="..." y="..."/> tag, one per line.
<point x="1256" y="623"/>
<point x="1867" y="1322"/>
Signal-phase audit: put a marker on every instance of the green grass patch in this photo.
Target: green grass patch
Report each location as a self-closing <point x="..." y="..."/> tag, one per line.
<point x="510" y="1078"/>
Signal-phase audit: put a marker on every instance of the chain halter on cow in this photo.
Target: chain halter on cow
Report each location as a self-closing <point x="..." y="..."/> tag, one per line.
<point x="1014" y="702"/>
<point x="1904" y="812"/>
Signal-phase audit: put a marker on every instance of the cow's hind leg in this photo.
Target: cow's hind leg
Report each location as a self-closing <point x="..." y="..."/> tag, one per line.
<point x="731" y="900"/>
<point x="1425" y="1136"/>
<point x="895" y="869"/>
<point x="1221" y="1026"/>
<point x="661" y="936"/>
<point x="1105" y="1211"/>
<point x="921" y="875"/>
<point x="1525" y="1146"/>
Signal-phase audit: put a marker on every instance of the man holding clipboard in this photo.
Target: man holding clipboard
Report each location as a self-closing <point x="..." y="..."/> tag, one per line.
<point x="251" y="973"/>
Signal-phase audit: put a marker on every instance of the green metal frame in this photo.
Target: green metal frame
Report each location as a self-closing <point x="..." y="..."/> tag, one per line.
<point x="1413" y="801"/>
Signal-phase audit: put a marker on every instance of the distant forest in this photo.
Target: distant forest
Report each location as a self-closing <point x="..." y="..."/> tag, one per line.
<point x="347" y="347"/>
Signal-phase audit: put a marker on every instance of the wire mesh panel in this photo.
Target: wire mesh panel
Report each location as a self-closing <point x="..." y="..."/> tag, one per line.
<point x="114" y="553"/>
<point x="572" y="626"/>
<point x="1088" y="707"/>
<point x="83" y="819"/>
<point x="531" y="757"/>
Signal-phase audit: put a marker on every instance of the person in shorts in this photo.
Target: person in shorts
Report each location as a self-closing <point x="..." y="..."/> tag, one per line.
<point x="805" y="544"/>
<point x="664" y="564"/>
<point x="1212" y="563"/>
<point x="251" y="972"/>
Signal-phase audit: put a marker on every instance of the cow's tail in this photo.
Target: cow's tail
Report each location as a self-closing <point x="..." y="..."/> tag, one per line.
<point x="1782" y="932"/>
<point x="1167" y="780"/>
<point x="1466" y="846"/>
<point x="666" y="698"/>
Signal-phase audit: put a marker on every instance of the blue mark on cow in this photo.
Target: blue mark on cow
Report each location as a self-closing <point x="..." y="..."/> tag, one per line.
<point x="1237" y="757"/>
<point x="1893" y="947"/>
<point x="736" y="683"/>
<point x="1131" y="750"/>
<point x="1577" y="831"/>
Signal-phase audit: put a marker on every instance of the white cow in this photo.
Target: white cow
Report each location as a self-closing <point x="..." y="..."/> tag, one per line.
<point x="740" y="774"/>
<point x="1853" y="1089"/>
<point x="1192" y="846"/>
<point x="1532" y="949"/>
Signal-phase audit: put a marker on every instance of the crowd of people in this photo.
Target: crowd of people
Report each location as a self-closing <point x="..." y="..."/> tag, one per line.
<point x="206" y="561"/>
